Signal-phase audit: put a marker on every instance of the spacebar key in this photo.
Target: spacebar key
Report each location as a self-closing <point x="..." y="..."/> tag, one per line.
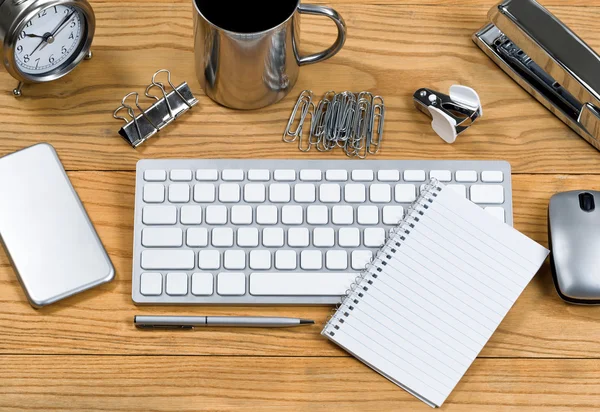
<point x="168" y="259"/>
<point x="300" y="284"/>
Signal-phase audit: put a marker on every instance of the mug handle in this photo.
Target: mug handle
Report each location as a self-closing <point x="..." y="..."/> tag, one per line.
<point x="342" y="30"/>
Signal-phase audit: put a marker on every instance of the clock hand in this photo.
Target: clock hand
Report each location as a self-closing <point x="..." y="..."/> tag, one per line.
<point x="60" y="27"/>
<point x="38" y="46"/>
<point x="34" y="35"/>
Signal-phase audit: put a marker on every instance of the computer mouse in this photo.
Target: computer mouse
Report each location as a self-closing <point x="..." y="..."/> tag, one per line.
<point x="574" y="231"/>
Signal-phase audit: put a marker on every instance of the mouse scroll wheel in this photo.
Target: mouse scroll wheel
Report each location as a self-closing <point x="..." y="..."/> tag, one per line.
<point x="586" y="202"/>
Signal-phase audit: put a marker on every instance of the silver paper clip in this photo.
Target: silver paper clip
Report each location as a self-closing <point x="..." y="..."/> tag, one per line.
<point x="167" y="108"/>
<point x="451" y="114"/>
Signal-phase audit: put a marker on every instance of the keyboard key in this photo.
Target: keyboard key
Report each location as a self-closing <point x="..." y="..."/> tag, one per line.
<point x="259" y="175"/>
<point x="159" y="215"/>
<point x="285" y="260"/>
<point x="298" y="237"/>
<point x="388" y="176"/>
<point x="392" y="215"/>
<point x="154" y="193"/>
<point x="202" y="284"/>
<point x="414" y="175"/>
<point x="466" y="176"/>
<point x="222" y="237"/>
<point x="497" y="212"/>
<point x="343" y="215"/>
<point x="330" y="193"/>
<point x="191" y="215"/>
<point x="151" y="284"/>
<point x="460" y="189"/>
<point x="181" y="175"/>
<point x="363" y="175"/>
<point x="197" y="237"/>
<point x="355" y="193"/>
<point x="168" y="259"/>
<point x="406" y="193"/>
<point x="266" y="215"/>
<point x="380" y="193"/>
<point x="441" y="175"/>
<point x="179" y="193"/>
<point x="207" y="175"/>
<point x="374" y="237"/>
<point x="241" y="215"/>
<point x="162" y="237"/>
<point x="235" y="260"/>
<point x="231" y="284"/>
<point x="292" y="215"/>
<point x="155" y="175"/>
<point x="216" y="215"/>
<point x="317" y="215"/>
<point x="492" y="177"/>
<point x="272" y="237"/>
<point x="177" y="284"/>
<point x="300" y="284"/>
<point x="285" y="175"/>
<point x="204" y="193"/>
<point x="337" y="260"/>
<point x="324" y="237"/>
<point x="368" y="215"/>
<point x="280" y="193"/>
<point x="233" y="175"/>
<point x="229" y="193"/>
<point x="493" y="194"/>
<point x="311" y="175"/>
<point x="255" y="193"/>
<point x="209" y="259"/>
<point x="360" y="259"/>
<point x="247" y="237"/>
<point x="336" y="175"/>
<point x="311" y="260"/>
<point x="260" y="260"/>
<point x="349" y="237"/>
<point x="305" y="193"/>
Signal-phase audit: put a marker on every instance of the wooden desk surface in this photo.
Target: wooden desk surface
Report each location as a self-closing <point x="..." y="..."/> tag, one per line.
<point x="84" y="354"/>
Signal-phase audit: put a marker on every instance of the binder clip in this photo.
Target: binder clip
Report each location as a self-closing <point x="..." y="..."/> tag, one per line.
<point x="451" y="114"/>
<point x="168" y="107"/>
<point x="548" y="60"/>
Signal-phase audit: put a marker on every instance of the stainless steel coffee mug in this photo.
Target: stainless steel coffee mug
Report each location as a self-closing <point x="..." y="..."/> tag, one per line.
<point x="247" y="54"/>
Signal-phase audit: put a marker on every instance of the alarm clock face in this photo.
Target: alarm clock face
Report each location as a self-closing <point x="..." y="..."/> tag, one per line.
<point x="51" y="39"/>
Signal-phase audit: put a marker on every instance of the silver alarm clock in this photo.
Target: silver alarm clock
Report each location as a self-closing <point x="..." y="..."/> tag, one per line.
<point x="43" y="40"/>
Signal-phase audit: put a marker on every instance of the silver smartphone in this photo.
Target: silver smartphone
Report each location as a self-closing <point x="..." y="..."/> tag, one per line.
<point x="45" y="229"/>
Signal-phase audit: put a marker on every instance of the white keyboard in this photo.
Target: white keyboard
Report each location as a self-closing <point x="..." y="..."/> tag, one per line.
<point x="280" y="231"/>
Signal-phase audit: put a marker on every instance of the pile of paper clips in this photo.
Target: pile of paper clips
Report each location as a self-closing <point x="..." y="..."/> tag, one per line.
<point x="353" y="122"/>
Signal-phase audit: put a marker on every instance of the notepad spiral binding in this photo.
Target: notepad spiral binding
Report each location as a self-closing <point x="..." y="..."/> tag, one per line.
<point x="359" y="287"/>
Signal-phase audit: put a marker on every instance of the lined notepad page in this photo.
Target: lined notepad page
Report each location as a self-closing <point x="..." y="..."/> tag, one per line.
<point x="441" y="292"/>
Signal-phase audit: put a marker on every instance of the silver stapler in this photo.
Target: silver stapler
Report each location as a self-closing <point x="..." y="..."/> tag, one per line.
<point x="548" y="60"/>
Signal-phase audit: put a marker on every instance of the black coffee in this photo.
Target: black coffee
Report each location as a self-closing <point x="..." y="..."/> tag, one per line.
<point x="246" y="16"/>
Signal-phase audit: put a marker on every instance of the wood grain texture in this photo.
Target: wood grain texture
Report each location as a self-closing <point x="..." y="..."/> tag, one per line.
<point x="183" y="383"/>
<point x="100" y="321"/>
<point x="392" y="50"/>
<point x="84" y="354"/>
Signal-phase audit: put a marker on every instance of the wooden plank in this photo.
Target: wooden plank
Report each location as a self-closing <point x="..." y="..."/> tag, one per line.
<point x="392" y="49"/>
<point x="100" y="321"/>
<point x="184" y="383"/>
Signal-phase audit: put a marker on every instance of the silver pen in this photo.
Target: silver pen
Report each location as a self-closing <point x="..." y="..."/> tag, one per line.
<point x="190" y="322"/>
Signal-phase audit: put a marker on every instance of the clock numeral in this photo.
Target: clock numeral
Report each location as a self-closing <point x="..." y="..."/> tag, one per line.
<point x="42" y="14"/>
<point x="73" y="24"/>
<point x="29" y="23"/>
<point x="37" y="62"/>
<point x="72" y="36"/>
<point x="51" y="59"/>
<point x="63" y="50"/>
<point x="22" y="35"/>
<point x="55" y="10"/>
<point x="26" y="58"/>
<point x="20" y="49"/>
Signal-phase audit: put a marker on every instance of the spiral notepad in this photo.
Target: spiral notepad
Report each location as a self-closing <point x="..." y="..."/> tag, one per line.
<point x="435" y="293"/>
